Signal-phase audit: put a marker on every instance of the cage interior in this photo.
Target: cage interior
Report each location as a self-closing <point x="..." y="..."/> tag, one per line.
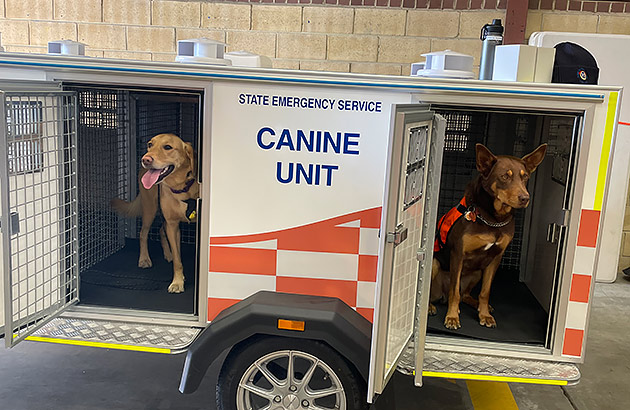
<point x="524" y="286"/>
<point x="114" y="126"/>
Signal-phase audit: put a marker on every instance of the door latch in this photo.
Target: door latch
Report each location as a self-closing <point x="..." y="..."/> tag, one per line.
<point x="14" y="221"/>
<point x="553" y="232"/>
<point x="398" y="236"/>
<point x="421" y="255"/>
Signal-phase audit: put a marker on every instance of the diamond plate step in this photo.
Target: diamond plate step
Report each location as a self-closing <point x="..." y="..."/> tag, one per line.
<point x="481" y="367"/>
<point x="117" y="335"/>
<point x="504" y="367"/>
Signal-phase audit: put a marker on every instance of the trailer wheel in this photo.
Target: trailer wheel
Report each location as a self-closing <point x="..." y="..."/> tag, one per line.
<point x="283" y="373"/>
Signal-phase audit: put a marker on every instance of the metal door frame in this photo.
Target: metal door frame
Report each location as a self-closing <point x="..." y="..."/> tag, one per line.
<point x="90" y="77"/>
<point x="432" y="194"/>
<point x="587" y="110"/>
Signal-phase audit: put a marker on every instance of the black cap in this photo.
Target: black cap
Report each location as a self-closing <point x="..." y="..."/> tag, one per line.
<point x="495" y="27"/>
<point x="574" y="65"/>
<point x="489" y="29"/>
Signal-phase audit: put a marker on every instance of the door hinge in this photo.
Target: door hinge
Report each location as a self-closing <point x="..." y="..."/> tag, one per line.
<point x="398" y="236"/>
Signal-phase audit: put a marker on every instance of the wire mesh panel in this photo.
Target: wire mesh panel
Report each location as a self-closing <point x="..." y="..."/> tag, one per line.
<point x="103" y="170"/>
<point x="405" y="263"/>
<point x="39" y="208"/>
<point x="179" y="116"/>
<point x="464" y="129"/>
<point x="403" y="228"/>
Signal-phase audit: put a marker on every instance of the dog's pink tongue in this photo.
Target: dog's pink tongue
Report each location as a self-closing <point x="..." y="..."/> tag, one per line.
<point x="150" y="178"/>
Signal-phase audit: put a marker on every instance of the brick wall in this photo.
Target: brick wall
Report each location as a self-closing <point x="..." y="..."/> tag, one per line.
<point x="365" y="36"/>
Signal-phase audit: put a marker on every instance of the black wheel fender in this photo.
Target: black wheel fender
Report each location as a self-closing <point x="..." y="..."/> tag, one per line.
<point x="327" y="320"/>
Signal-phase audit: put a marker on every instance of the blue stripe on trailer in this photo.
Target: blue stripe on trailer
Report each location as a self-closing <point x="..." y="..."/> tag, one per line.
<point x="308" y="81"/>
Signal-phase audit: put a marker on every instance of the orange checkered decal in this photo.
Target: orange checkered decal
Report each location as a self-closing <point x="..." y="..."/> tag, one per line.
<point x="336" y="257"/>
<point x="581" y="280"/>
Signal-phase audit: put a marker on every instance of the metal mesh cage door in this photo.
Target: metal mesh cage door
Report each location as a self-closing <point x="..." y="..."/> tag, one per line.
<point x="38" y="177"/>
<point x="399" y="285"/>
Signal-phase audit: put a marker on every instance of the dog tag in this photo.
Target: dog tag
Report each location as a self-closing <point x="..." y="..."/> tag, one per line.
<point x="191" y="209"/>
<point x="470" y="216"/>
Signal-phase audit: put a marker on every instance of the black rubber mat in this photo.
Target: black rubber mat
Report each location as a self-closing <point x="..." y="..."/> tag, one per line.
<point x="520" y="318"/>
<point x="118" y="281"/>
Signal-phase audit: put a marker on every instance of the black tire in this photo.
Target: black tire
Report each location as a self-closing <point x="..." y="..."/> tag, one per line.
<point x="242" y="357"/>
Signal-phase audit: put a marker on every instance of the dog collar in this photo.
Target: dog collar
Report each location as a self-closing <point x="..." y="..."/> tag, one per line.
<point x="189" y="183"/>
<point x="472" y="214"/>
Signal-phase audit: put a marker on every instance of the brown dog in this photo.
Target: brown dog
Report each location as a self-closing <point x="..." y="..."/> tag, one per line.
<point x="472" y="249"/>
<point x="170" y="166"/>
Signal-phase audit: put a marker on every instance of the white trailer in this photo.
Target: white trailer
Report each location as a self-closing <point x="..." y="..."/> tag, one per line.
<point x="310" y="257"/>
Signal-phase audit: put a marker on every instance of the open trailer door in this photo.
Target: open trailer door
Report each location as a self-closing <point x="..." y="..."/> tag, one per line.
<point x="38" y="198"/>
<point x="406" y="240"/>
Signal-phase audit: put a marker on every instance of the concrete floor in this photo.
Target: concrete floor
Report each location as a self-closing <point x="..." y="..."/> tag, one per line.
<point x="44" y="376"/>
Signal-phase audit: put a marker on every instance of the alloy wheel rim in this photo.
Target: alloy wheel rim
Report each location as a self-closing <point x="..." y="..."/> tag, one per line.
<point x="290" y="380"/>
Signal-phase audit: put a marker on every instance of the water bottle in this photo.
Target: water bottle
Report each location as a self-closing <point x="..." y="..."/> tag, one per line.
<point x="491" y="36"/>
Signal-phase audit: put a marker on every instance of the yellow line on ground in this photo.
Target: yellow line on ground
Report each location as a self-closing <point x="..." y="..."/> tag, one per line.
<point x="99" y="344"/>
<point x="491" y="395"/>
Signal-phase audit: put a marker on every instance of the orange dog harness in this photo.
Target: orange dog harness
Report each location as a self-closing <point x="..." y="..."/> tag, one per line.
<point x="471" y="213"/>
<point x="446" y="222"/>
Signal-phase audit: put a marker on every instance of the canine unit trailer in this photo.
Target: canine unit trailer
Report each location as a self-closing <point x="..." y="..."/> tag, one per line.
<point x="310" y="257"/>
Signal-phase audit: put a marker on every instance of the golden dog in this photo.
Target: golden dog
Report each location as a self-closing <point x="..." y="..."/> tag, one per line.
<point x="170" y="166"/>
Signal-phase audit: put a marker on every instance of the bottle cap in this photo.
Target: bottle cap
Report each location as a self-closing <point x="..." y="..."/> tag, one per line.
<point x="492" y="29"/>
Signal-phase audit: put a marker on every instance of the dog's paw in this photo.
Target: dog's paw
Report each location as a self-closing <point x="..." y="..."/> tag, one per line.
<point x="487" y="321"/>
<point x="145" y="262"/>
<point x="452" y="323"/>
<point x="432" y="309"/>
<point x="176" y="287"/>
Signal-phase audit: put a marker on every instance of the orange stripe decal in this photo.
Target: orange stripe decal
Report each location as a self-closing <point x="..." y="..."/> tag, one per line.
<point x="367" y="313"/>
<point x="321" y="237"/>
<point x="572" y="345"/>
<point x="589" y="225"/>
<point x="580" y="288"/>
<point x="217" y="305"/>
<point x="342" y="289"/>
<point x="368" y="265"/>
<point x="369" y="218"/>
<point x="242" y="260"/>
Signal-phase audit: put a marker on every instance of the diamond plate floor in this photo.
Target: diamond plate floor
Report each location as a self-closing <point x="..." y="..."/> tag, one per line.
<point x="133" y="334"/>
<point x="462" y="363"/>
<point x="447" y="362"/>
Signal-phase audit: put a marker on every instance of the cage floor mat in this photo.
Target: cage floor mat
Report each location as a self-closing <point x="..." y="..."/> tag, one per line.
<point x="520" y="318"/>
<point x="118" y="281"/>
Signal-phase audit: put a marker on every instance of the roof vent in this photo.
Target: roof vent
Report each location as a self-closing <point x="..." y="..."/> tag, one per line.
<point x="66" y="48"/>
<point x="445" y="64"/>
<point x="247" y="59"/>
<point x="201" y="50"/>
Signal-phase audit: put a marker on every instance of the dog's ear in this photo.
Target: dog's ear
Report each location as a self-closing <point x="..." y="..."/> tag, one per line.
<point x="190" y="154"/>
<point x="534" y="159"/>
<point x="485" y="160"/>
